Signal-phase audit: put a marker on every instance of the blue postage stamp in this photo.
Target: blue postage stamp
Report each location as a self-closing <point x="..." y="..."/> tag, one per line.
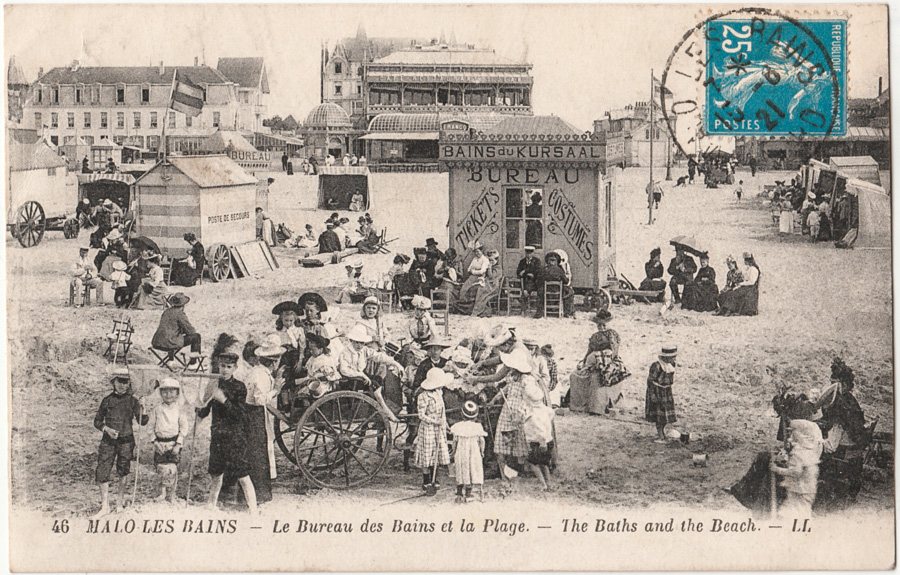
<point x="776" y="77"/>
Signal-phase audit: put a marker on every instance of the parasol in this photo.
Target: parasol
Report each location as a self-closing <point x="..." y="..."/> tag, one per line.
<point x="689" y="243"/>
<point x="143" y="242"/>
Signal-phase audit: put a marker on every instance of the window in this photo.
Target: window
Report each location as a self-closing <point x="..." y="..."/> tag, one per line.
<point x="647" y="134"/>
<point x="37" y="120"/>
<point x="120" y="94"/>
<point x="171" y="119"/>
<point x="70" y="119"/>
<point x="89" y="140"/>
<point x="524" y="218"/>
<point x="104" y="120"/>
<point x="145" y="94"/>
<point x="119" y="140"/>
<point x="87" y="119"/>
<point x="79" y="95"/>
<point x="54" y="120"/>
<point x="95" y="95"/>
<point x="39" y="95"/>
<point x="137" y="119"/>
<point x="337" y="68"/>
<point x="359" y="89"/>
<point x="153" y="143"/>
<point x="337" y="89"/>
<point x="54" y="140"/>
<point x="120" y="120"/>
<point x="188" y="121"/>
<point x="54" y="95"/>
<point x="216" y="119"/>
<point x="51" y="171"/>
<point x="154" y="121"/>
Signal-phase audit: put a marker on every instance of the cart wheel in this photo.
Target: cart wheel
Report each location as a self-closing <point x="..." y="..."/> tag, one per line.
<point x="30" y="224"/>
<point x="71" y="229"/>
<point x="336" y="443"/>
<point x="219" y="258"/>
<point x="624" y="299"/>
<point x="600" y="299"/>
<point x="284" y="438"/>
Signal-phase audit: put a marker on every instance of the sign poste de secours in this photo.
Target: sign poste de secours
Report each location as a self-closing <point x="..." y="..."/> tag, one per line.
<point x="526" y="152"/>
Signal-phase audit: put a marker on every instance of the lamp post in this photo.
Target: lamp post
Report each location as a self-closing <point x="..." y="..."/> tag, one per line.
<point x="668" y="157"/>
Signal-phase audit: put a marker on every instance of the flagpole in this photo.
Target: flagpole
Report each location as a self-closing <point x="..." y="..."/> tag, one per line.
<point x="650" y="186"/>
<point x="165" y="120"/>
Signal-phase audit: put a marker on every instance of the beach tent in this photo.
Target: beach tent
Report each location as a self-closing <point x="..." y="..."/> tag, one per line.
<point x="874" y="229"/>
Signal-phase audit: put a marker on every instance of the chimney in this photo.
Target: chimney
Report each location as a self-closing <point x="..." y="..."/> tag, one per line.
<point x="879" y="85"/>
<point x="162" y="69"/>
<point x="40" y="72"/>
<point x="196" y="61"/>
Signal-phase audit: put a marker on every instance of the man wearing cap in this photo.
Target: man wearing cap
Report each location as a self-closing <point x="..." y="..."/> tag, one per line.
<point x="529" y="271"/>
<point x="328" y="240"/>
<point x="176" y="332"/>
<point x="84" y="273"/>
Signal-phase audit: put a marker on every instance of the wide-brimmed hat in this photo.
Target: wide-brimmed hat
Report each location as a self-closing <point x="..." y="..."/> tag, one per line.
<point x="285" y="307"/>
<point x="436" y="378"/>
<point x="107" y="201"/>
<point x="119" y="266"/>
<point x="421" y="302"/>
<point x="547" y="350"/>
<point x="470" y="410"/>
<point x="271" y="348"/>
<point x="602" y="315"/>
<point x="113" y="235"/>
<point x="669" y="351"/>
<point x="517" y="359"/>
<point x="552" y="255"/>
<point x="169" y="383"/>
<point x="313" y="297"/>
<point x="436" y="342"/>
<point x="353" y="264"/>
<point x="318" y="340"/>
<point x="529" y="342"/>
<point x="461" y="355"/>
<point x="359" y="334"/>
<point x="178" y="300"/>
<point x="498" y="335"/>
<point x="419" y="251"/>
<point x="476" y="245"/>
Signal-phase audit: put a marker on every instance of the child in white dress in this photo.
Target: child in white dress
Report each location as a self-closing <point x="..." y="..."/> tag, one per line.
<point x="468" y="453"/>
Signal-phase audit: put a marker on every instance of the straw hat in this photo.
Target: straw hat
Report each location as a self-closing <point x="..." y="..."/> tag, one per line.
<point x="517" y="359"/>
<point x="498" y="335"/>
<point x="436" y="378"/>
<point x="436" y="342"/>
<point x="285" y="307"/>
<point x="371" y="300"/>
<point x="169" y="383"/>
<point x="529" y="249"/>
<point x="470" y="410"/>
<point x="271" y="348"/>
<point x="119" y="373"/>
<point x="119" y="266"/>
<point x="178" y="300"/>
<point x="420" y="302"/>
<point x="529" y="342"/>
<point x="669" y="351"/>
<point x="359" y="334"/>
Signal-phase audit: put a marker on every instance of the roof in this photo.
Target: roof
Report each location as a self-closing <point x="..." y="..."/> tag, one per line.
<point x="362" y="48"/>
<point x="211" y="171"/>
<point x="534" y="126"/>
<point x="392" y="122"/>
<point x="449" y="55"/>
<point x="223" y="139"/>
<point x="106" y="143"/>
<point x="851" y="161"/>
<point x="14" y="74"/>
<point x="23" y="136"/>
<point x="402" y="136"/>
<point x="132" y="75"/>
<point x="78" y="142"/>
<point x="327" y="115"/>
<point x="36" y="156"/>
<point x="245" y="72"/>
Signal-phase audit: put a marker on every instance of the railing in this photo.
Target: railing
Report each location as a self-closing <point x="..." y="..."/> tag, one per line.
<point x="410" y="108"/>
<point x="404" y="167"/>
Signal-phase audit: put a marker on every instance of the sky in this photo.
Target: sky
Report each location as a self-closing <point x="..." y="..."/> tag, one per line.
<point x="587" y="58"/>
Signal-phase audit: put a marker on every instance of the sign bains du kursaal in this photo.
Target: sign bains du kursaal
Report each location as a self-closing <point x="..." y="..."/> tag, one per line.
<point x="510" y="188"/>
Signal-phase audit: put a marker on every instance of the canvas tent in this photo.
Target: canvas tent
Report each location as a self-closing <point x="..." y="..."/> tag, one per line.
<point x="874" y="227"/>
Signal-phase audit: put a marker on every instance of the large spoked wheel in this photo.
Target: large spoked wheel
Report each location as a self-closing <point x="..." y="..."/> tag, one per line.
<point x="623" y="299"/>
<point x="71" y="229"/>
<point x="342" y="441"/>
<point x="599" y="300"/>
<point x="219" y="258"/>
<point x="30" y="224"/>
<point x="284" y="439"/>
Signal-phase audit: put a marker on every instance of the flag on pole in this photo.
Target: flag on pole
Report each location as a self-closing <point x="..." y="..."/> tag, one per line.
<point x="659" y="92"/>
<point x="187" y="97"/>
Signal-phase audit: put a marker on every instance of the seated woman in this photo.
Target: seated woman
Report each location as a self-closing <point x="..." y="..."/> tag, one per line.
<point x="606" y="385"/>
<point x="654" y="272"/>
<point x="743" y="299"/>
<point x="553" y="271"/>
<point x="153" y="291"/>
<point x="582" y="379"/>
<point x="476" y="301"/>
<point x="474" y="279"/>
<point x="186" y="272"/>
<point x="734" y="277"/>
<point x="701" y="294"/>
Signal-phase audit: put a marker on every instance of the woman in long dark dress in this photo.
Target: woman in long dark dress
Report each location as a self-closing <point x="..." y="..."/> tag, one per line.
<point x="263" y="385"/>
<point x="744" y="299"/>
<point x="654" y="272"/>
<point x="701" y="293"/>
<point x="186" y="272"/>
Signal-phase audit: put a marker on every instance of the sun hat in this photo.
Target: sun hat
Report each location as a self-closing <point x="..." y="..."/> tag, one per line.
<point x="470" y="410"/>
<point x="107" y="202"/>
<point x="669" y="351"/>
<point x="359" y="334"/>
<point x="119" y="266"/>
<point x="602" y="315"/>
<point x="354" y="264"/>
<point x="178" y="300"/>
<point x="114" y="234"/>
<point x="461" y="355"/>
<point x="421" y="302"/>
<point x="529" y="342"/>
<point x="436" y="342"/>
<point x="312" y="296"/>
<point x="476" y="245"/>
<point x="271" y="348"/>
<point x="517" y="359"/>
<point x="747" y="256"/>
<point x="317" y="340"/>
<point x="436" y="378"/>
<point x="285" y="307"/>
<point x="169" y="383"/>
<point x="431" y="242"/>
<point x="498" y="335"/>
<point x="547" y="350"/>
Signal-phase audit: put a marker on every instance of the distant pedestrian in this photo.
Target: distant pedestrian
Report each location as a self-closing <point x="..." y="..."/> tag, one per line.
<point x="284" y="161"/>
<point x="813" y="220"/>
<point x="753" y="166"/>
<point x="660" y="404"/>
<point x="739" y="190"/>
<point x="692" y="170"/>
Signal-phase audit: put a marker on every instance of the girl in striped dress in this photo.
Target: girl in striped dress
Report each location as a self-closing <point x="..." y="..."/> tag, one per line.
<point x="431" y="442"/>
<point x="660" y="404"/>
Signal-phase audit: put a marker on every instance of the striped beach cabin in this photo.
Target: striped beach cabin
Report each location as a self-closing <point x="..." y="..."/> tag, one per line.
<point x="211" y="196"/>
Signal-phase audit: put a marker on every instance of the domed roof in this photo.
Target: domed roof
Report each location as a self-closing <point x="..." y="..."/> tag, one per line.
<point x="328" y="115"/>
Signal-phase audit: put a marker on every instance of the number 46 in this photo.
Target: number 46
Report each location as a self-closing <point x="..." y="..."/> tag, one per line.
<point x="60" y="526"/>
<point x="730" y="46"/>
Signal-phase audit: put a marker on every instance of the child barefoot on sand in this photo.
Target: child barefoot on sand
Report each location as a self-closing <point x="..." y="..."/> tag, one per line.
<point x="170" y="426"/>
<point x="468" y="462"/>
<point x="431" y="443"/>
<point x="539" y="433"/>
<point x="660" y="404"/>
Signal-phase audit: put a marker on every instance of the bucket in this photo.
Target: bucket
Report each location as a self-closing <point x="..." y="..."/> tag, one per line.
<point x="685" y="438"/>
<point x="700" y="459"/>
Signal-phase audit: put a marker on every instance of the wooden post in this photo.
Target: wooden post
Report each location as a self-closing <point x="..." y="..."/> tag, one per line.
<point x="650" y="186"/>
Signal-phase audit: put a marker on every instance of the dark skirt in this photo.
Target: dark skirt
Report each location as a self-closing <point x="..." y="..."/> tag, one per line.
<point x="660" y="404"/>
<point x="754" y="489"/>
<point x="183" y="274"/>
<point x="228" y="454"/>
<point x="258" y="454"/>
<point x="700" y="297"/>
<point x="742" y="300"/>
<point x="540" y="454"/>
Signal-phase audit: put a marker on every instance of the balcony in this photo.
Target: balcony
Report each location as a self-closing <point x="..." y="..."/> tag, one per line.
<point x="374" y="109"/>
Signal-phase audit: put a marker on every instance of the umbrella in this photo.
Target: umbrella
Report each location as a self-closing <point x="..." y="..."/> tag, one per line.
<point x="143" y="242"/>
<point x="689" y="243"/>
<point x="314" y="297"/>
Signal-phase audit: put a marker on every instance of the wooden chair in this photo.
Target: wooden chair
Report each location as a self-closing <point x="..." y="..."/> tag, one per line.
<point x="386" y="299"/>
<point x="553" y="299"/>
<point x="440" y="308"/>
<point x="119" y="340"/>
<point x="515" y="295"/>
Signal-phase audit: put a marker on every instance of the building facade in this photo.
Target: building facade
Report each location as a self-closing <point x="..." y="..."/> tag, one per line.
<point x="127" y="105"/>
<point x="627" y="137"/>
<point x="16" y="91"/>
<point x="251" y="88"/>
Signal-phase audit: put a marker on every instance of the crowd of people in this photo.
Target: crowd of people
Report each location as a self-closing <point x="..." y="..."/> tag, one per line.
<point x="814" y="215"/>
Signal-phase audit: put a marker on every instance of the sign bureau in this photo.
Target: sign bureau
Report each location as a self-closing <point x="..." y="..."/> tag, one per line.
<point x="521" y="152"/>
<point x="241" y="156"/>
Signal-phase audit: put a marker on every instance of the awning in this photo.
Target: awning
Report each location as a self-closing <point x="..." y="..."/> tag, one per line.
<point x="116" y="177"/>
<point x="342" y="170"/>
<point x="400" y="136"/>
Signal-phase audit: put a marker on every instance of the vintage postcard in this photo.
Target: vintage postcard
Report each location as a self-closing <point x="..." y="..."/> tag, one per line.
<point x="449" y="287"/>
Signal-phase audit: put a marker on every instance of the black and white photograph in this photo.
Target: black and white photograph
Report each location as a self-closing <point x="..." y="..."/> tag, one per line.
<point x="446" y="287"/>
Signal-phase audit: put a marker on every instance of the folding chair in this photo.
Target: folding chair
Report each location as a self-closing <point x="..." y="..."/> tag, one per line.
<point x="440" y="308"/>
<point x="386" y="299"/>
<point x="167" y="356"/>
<point x="119" y="340"/>
<point x="553" y="299"/>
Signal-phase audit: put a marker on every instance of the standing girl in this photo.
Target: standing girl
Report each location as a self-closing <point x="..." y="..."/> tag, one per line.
<point x="431" y="443"/>
<point x="660" y="404"/>
<point x="468" y="452"/>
